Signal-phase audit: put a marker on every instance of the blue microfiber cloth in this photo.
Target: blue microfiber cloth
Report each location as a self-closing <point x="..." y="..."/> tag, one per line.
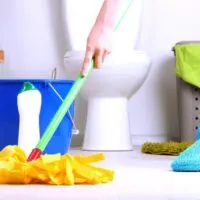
<point x="188" y="160"/>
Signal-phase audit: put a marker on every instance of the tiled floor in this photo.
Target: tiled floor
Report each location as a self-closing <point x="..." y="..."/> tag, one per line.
<point x="138" y="177"/>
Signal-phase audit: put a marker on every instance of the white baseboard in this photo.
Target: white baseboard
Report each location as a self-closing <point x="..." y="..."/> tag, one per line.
<point x="137" y="140"/>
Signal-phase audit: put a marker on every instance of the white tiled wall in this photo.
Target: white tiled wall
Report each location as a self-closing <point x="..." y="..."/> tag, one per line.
<point x="32" y="35"/>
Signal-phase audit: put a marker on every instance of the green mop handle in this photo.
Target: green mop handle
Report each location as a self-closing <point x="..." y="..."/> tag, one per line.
<point x="69" y="99"/>
<point x="63" y="109"/>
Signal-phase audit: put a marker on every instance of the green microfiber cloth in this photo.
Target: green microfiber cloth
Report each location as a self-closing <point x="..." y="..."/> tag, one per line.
<point x="165" y="148"/>
<point x="188" y="63"/>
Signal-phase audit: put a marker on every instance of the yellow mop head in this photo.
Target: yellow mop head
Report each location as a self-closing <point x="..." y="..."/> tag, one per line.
<point x="51" y="169"/>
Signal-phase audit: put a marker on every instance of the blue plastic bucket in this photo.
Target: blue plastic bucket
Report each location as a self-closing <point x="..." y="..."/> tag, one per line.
<point x="9" y="116"/>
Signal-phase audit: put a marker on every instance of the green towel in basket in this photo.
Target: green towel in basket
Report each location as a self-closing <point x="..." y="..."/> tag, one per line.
<point x="188" y="63"/>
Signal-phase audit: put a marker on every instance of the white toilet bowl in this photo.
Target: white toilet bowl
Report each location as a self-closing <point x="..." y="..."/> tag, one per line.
<point x="107" y="91"/>
<point x="109" y="88"/>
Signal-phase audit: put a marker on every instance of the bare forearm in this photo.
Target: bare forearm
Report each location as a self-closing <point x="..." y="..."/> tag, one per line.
<point x="108" y="14"/>
<point x="99" y="42"/>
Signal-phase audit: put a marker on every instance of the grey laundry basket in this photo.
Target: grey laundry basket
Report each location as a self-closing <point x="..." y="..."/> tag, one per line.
<point x="188" y="106"/>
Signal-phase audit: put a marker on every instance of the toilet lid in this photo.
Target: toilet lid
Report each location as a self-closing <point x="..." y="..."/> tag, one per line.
<point x="114" y="58"/>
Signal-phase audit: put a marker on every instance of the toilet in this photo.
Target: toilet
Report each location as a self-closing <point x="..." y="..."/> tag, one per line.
<point x="108" y="89"/>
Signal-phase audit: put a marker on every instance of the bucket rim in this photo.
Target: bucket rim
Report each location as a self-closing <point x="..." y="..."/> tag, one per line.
<point x="62" y="81"/>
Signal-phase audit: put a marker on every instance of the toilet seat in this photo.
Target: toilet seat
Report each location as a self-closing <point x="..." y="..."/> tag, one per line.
<point x="116" y="58"/>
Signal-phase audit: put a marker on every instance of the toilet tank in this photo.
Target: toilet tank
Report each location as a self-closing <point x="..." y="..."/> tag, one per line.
<point x="80" y="15"/>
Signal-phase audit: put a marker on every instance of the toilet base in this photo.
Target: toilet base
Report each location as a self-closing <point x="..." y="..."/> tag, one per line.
<point x="107" y="126"/>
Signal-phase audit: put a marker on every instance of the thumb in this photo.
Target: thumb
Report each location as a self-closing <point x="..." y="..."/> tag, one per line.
<point x="86" y="62"/>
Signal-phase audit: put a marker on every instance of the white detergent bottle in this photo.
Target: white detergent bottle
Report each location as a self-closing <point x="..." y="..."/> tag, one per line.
<point x="29" y="104"/>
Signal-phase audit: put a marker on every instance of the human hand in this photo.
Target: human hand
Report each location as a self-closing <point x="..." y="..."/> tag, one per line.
<point x="99" y="44"/>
